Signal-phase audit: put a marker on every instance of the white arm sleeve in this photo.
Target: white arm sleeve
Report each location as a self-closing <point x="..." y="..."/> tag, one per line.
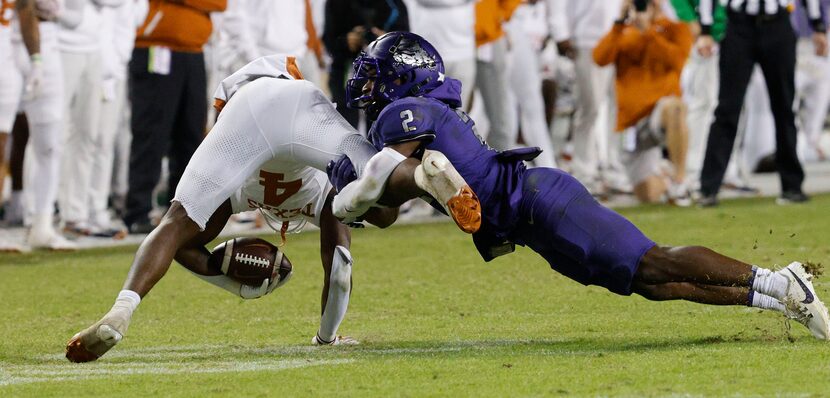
<point x="234" y="287"/>
<point x="363" y="193"/>
<point x="340" y="285"/>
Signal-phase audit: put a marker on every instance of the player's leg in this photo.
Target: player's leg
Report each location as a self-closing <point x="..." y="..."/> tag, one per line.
<point x="11" y="89"/>
<point x="4" y="139"/>
<point x="42" y="169"/>
<point x="594" y="245"/>
<point x="19" y="140"/>
<point x="709" y="294"/>
<point x="152" y="260"/>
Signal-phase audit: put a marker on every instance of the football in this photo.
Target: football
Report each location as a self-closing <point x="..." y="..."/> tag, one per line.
<point x="249" y="260"/>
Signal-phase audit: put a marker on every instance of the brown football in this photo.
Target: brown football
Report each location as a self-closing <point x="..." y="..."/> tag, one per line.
<point x="249" y="260"/>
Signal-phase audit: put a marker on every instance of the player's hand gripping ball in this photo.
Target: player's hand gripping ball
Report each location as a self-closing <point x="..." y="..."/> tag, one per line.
<point x="251" y="261"/>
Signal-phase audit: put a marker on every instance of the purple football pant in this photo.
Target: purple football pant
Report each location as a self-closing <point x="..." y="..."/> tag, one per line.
<point x="579" y="238"/>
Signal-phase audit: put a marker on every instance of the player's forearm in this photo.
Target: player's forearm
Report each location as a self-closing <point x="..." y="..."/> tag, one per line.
<point x="363" y="193"/>
<point x="195" y="259"/>
<point x="29" y="25"/>
<point x="336" y="293"/>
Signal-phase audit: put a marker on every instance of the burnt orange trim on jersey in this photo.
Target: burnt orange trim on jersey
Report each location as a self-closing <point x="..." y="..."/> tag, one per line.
<point x="219" y="104"/>
<point x="283" y="231"/>
<point x="292" y="69"/>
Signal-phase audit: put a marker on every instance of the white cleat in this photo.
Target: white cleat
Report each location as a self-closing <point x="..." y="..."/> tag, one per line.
<point x="11" y="247"/>
<point x="339" y="340"/>
<point x="94" y="341"/>
<point x="802" y="304"/>
<point x="48" y="238"/>
<point x="437" y="176"/>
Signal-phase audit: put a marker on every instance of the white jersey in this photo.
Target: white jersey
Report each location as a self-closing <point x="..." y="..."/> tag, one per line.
<point x="274" y="138"/>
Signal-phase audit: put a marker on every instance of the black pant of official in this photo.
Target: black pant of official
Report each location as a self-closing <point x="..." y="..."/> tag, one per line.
<point x="770" y="42"/>
<point x="168" y="118"/>
<point x="337" y="86"/>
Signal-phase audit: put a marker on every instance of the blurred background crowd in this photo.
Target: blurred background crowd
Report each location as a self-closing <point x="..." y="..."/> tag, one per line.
<point x="102" y="102"/>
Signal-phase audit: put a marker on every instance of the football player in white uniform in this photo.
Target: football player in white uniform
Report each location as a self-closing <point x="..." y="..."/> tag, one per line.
<point x="274" y="136"/>
<point x="30" y="79"/>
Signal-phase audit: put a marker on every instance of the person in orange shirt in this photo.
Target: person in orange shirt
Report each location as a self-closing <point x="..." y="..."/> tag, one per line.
<point x="649" y="52"/>
<point x="491" y="69"/>
<point x="168" y="82"/>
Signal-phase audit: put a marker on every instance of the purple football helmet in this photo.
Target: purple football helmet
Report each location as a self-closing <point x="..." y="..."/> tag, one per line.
<point x="402" y="64"/>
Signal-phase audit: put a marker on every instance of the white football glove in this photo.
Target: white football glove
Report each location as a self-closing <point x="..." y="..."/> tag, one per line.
<point x="249" y="292"/>
<point x="34" y="78"/>
<point x="339" y="340"/>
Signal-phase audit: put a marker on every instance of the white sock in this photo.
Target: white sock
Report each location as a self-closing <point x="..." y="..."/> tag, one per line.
<point x="769" y="283"/>
<point x="127" y="299"/>
<point x="759" y="300"/>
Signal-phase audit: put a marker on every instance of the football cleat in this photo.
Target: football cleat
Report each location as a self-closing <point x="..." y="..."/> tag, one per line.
<point x="802" y="304"/>
<point x="339" y="340"/>
<point x="94" y="341"/>
<point x="438" y="177"/>
<point x="48" y="238"/>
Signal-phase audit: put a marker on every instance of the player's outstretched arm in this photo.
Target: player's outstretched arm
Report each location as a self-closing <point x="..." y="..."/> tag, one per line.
<point x="394" y="174"/>
<point x="335" y="240"/>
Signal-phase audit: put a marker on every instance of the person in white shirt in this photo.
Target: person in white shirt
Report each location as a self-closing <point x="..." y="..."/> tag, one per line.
<point x="117" y="38"/>
<point x="254" y="28"/>
<point x="576" y="27"/>
<point x="450" y="26"/>
<point x="35" y="75"/>
<point x="81" y="53"/>
<point x="527" y="30"/>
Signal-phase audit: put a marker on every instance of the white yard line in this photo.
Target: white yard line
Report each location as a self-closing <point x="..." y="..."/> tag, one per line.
<point x="22" y="374"/>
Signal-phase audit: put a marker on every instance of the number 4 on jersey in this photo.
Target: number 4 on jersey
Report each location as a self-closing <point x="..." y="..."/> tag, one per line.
<point x="273" y="183"/>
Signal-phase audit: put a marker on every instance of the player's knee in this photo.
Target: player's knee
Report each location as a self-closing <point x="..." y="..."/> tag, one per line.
<point x="654" y="267"/>
<point x="651" y="292"/>
<point x="177" y="221"/>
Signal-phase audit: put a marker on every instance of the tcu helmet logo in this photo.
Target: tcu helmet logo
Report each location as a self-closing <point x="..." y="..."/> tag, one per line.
<point x="411" y="53"/>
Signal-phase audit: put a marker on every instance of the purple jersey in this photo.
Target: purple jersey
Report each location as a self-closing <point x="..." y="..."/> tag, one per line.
<point x="436" y="120"/>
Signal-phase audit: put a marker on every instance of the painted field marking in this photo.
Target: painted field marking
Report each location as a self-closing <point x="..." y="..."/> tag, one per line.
<point x="23" y="374"/>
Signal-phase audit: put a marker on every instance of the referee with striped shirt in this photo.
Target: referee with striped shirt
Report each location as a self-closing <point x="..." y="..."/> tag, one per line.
<point x="757" y="31"/>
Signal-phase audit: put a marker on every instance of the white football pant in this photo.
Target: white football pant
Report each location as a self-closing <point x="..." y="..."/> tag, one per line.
<point x="82" y="81"/>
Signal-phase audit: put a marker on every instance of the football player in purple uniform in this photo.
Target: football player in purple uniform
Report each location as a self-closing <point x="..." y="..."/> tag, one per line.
<point x="416" y="113"/>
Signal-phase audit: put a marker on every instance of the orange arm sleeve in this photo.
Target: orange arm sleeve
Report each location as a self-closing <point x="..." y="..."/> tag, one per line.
<point x="507" y="8"/>
<point x="605" y="53"/>
<point x="671" y="49"/>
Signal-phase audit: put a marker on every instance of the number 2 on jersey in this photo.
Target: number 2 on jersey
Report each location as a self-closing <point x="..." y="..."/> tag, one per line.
<point x="273" y="183"/>
<point x="407" y="117"/>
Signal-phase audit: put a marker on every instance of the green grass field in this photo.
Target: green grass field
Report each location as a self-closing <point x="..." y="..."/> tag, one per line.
<point x="433" y="320"/>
